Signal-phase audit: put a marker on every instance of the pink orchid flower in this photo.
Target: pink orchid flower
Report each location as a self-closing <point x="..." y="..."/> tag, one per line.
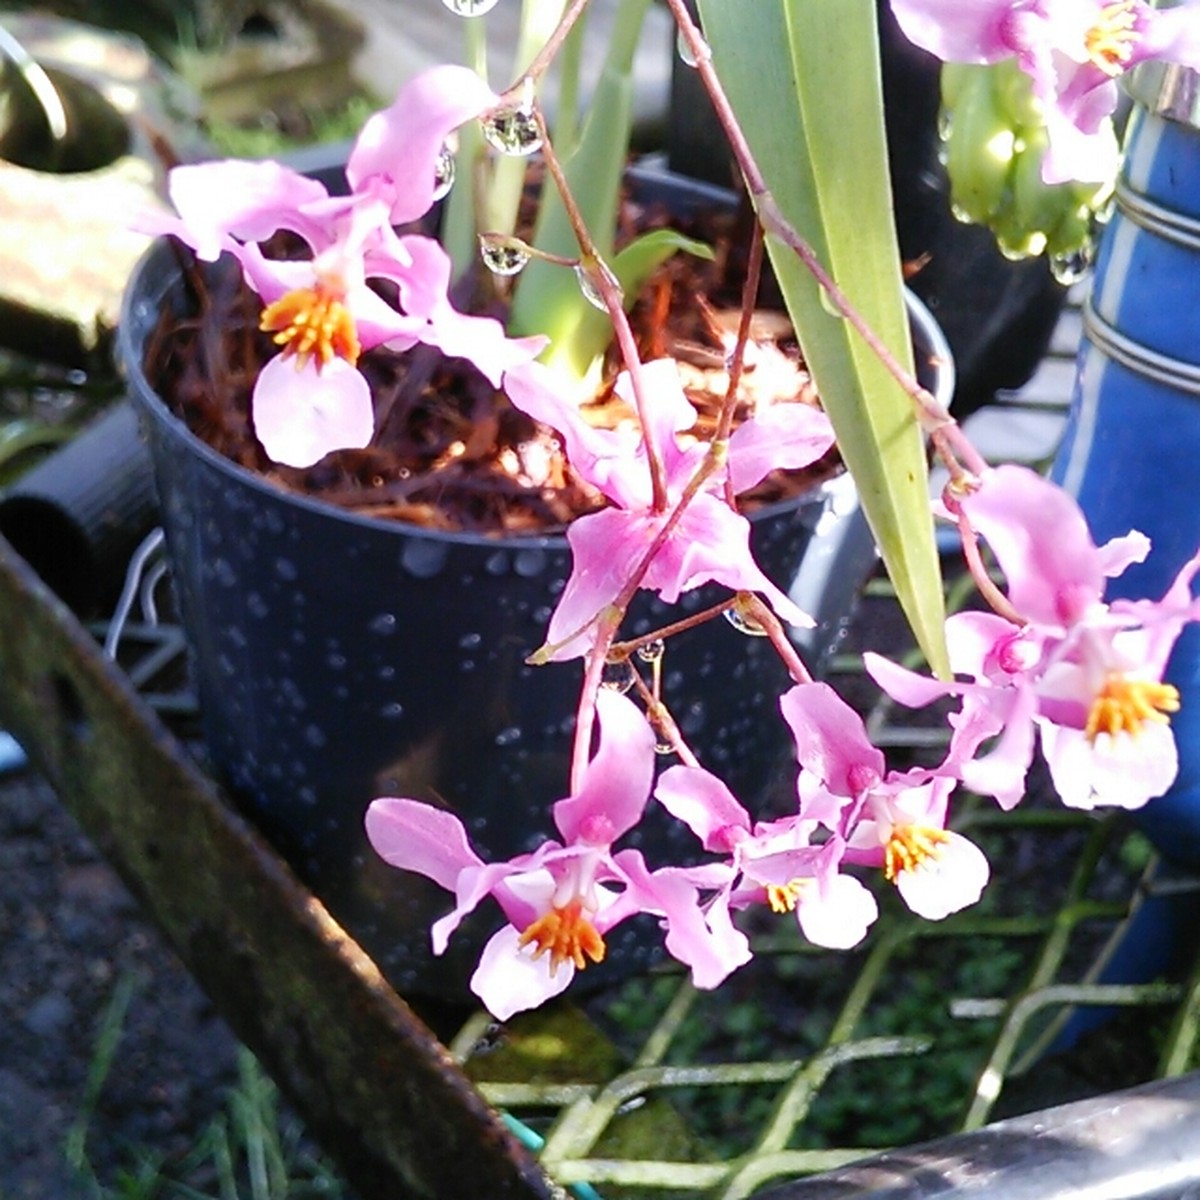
<point x="774" y="862"/>
<point x="893" y="820"/>
<point x="561" y="899"/>
<point x="322" y="311"/>
<point x="1086" y="676"/>
<point x="709" y="543"/>
<point x="1074" y="51"/>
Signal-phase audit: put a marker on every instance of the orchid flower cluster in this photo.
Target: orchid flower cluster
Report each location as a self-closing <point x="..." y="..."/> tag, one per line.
<point x="1052" y="660"/>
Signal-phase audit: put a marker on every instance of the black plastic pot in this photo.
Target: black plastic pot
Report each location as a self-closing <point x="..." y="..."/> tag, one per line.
<point x="340" y="658"/>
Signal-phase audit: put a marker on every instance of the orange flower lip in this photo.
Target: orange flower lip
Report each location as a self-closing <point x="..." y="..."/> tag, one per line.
<point x="1109" y="43"/>
<point x="909" y="846"/>
<point x="566" y="935"/>
<point x="1124" y="705"/>
<point x="313" y="322"/>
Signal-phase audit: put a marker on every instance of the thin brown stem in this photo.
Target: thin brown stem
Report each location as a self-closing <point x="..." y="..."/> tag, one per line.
<point x="606" y="286"/>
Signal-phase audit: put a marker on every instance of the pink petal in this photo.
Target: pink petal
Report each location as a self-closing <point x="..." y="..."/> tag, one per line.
<point x="1041" y="540"/>
<point x="782" y="437"/>
<point x="704" y="804"/>
<point x="301" y="414"/>
<point x="616" y="782"/>
<point x="245" y="200"/>
<point x="831" y="740"/>
<point x="397" y="148"/>
<point x="955" y="31"/>
<point x="418" y="837"/>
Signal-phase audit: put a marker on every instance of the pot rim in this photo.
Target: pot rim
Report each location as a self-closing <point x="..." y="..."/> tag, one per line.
<point x="131" y="354"/>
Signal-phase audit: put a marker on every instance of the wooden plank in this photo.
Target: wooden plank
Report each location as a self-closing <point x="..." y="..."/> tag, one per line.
<point x="377" y="1089"/>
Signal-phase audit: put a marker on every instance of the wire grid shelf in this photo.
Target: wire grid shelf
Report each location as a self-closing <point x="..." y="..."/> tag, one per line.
<point x="807" y="1059"/>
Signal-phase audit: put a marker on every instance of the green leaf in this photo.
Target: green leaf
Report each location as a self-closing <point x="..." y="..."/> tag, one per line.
<point x="803" y="78"/>
<point x="638" y="261"/>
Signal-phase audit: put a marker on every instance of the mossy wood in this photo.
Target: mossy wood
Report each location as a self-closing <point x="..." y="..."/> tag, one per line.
<point x="377" y="1089"/>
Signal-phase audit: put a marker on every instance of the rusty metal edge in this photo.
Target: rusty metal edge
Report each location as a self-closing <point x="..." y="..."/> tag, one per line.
<point x="377" y="1089"/>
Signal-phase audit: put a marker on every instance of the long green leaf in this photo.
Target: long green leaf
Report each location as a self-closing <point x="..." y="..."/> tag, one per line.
<point x="803" y="78"/>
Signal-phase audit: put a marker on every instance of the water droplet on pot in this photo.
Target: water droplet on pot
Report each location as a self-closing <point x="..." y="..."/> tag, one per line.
<point x="529" y="563"/>
<point x="506" y="737"/>
<point x="469" y="641"/>
<point x="497" y="563"/>
<point x="652" y="652"/>
<point x="314" y="736"/>
<point x="467" y="666"/>
<point x="503" y="256"/>
<point x="256" y="606"/>
<point x="513" y="131"/>
<point x="618" y="676"/>
<point x="336" y="662"/>
<point x="384" y="624"/>
<point x="443" y="173"/>
<point x="392" y="711"/>
<point x="286" y="569"/>
<point x="470" y="8"/>
<point x="424" y="557"/>
<point x="694" y="717"/>
<point x="386" y="673"/>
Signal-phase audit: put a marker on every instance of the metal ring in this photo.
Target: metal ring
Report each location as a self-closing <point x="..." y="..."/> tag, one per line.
<point x="1150" y="364"/>
<point x="1156" y="219"/>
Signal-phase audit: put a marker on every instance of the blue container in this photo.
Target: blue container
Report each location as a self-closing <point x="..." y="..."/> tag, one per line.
<point x="1131" y="455"/>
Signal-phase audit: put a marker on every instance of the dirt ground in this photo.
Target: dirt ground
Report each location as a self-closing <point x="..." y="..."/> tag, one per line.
<point x="72" y="942"/>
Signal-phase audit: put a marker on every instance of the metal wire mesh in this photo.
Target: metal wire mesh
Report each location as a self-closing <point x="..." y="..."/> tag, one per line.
<point x="807" y="1059"/>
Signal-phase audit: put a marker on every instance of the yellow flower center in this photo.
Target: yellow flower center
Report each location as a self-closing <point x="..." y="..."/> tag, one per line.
<point x="1110" y="41"/>
<point x="313" y="322"/>
<point x="565" y="934"/>
<point x="783" y="897"/>
<point x="909" y="846"/>
<point x="1123" y="705"/>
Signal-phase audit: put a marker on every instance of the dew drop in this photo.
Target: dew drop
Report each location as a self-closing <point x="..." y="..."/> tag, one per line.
<point x="384" y="624"/>
<point x="529" y="563"/>
<point x="506" y="737"/>
<point x="443" y="173"/>
<point x="827" y="303"/>
<point x="663" y="748"/>
<point x="683" y="48"/>
<point x="513" y="131"/>
<point x="470" y="8"/>
<point x="744" y="624"/>
<point x="503" y="256"/>
<point x="652" y="652"/>
<point x="424" y="557"/>
<point x="1071" y="268"/>
<point x="286" y="569"/>
<point x="618" y="676"/>
<point x="392" y="711"/>
<point x="586" y="277"/>
<point x="314" y="736"/>
<point x="497" y="563"/>
<point x="470" y="641"/>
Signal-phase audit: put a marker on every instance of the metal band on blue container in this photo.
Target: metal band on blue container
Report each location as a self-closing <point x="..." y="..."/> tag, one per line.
<point x="1150" y="364"/>
<point x="1156" y="218"/>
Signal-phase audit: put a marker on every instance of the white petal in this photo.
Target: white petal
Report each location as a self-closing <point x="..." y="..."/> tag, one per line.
<point x="942" y="885"/>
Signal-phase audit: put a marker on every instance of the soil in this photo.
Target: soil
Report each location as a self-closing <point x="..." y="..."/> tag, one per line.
<point x="450" y="452"/>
